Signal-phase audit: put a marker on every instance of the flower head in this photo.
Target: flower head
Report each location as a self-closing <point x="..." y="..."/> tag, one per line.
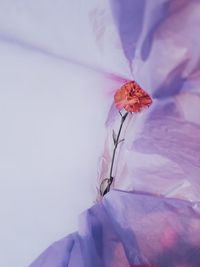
<point x="132" y="97"/>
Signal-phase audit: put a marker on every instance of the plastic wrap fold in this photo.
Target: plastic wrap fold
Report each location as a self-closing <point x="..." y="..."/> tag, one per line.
<point x="154" y="220"/>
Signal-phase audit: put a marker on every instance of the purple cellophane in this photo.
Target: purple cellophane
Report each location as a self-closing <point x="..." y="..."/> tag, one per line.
<point x="129" y="229"/>
<point x="157" y="224"/>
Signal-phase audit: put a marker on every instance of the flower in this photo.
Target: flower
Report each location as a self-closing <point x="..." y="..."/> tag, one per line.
<point x="132" y="97"/>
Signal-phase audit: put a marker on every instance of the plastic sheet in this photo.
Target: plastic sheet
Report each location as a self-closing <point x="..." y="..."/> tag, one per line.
<point x="131" y="230"/>
<point x="155" y="220"/>
<point x="161" y="152"/>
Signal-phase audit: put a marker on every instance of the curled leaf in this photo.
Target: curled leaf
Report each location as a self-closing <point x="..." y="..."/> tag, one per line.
<point x="105" y="186"/>
<point x="114" y="137"/>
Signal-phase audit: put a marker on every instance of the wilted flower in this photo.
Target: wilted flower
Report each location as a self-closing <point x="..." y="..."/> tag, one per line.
<point x="132" y="97"/>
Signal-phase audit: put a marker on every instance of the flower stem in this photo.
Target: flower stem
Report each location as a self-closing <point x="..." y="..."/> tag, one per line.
<point x="116" y="143"/>
<point x="107" y="182"/>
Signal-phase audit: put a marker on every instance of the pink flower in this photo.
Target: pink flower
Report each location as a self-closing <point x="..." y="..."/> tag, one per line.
<point x="132" y="97"/>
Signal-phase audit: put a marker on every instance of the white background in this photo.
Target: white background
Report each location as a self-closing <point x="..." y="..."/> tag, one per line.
<point x="53" y="105"/>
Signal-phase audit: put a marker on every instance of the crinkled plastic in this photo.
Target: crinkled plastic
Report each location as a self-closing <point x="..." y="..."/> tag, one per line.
<point x="161" y="152"/>
<point x="129" y="229"/>
<point x="154" y="220"/>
